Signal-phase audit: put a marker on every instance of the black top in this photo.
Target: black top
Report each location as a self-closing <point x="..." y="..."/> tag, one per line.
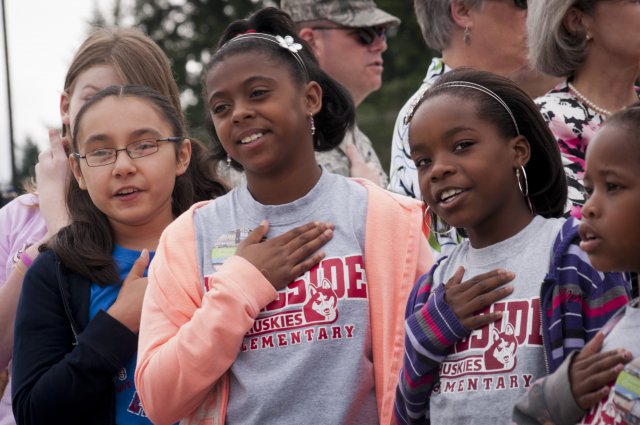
<point x="63" y="364"/>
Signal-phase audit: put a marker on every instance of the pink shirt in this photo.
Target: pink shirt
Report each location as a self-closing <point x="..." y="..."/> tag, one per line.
<point x="20" y="224"/>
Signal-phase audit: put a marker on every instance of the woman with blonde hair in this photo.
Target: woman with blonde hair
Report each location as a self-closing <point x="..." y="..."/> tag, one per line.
<point x="595" y="46"/>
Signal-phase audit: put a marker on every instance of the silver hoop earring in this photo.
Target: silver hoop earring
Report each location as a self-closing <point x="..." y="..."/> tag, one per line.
<point x="466" y="37"/>
<point x="525" y="191"/>
<point x="228" y="160"/>
<point x="441" y="227"/>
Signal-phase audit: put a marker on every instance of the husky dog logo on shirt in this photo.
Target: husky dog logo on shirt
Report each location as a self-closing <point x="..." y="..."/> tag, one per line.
<point x="502" y="352"/>
<point x="322" y="304"/>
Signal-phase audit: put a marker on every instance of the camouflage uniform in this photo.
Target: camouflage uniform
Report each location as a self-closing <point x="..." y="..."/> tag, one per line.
<point x="349" y="13"/>
<point x="336" y="160"/>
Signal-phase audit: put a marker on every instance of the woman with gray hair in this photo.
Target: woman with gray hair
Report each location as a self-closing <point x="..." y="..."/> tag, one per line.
<point x="595" y="46"/>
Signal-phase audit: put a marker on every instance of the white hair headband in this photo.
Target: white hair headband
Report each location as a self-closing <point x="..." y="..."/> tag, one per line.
<point x="286" y="42"/>
<point x="464" y="84"/>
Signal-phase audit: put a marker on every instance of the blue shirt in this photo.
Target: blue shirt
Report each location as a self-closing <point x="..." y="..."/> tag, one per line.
<point x="128" y="407"/>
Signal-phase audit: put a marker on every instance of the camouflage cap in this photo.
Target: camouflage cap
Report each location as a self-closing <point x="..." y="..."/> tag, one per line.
<point x="349" y="13"/>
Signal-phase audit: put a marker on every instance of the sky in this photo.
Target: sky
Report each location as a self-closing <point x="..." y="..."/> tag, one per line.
<point x="42" y="35"/>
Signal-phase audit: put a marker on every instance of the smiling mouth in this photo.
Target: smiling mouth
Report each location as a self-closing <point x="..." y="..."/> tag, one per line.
<point x="449" y="195"/>
<point x="125" y="192"/>
<point x="251" y="138"/>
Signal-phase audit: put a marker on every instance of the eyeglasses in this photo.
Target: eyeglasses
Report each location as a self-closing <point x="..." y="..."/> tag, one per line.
<point x="139" y="149"/>
<point x="366" y="35"/>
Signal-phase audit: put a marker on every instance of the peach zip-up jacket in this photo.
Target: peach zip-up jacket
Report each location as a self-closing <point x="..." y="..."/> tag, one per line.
<point x="188" y="340"/>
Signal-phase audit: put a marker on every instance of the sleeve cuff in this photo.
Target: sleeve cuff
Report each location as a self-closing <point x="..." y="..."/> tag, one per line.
<point x="247" y="280"/>
<point x="559" y="398"/>
<point x="435" y="325"/>
<point x="110" y="338"/>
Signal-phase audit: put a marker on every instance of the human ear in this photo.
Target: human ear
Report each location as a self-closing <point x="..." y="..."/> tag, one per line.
<point x="74" y="164"/>
<point x="461" y="14"/>
<point x="308" y="35"/>
<point x="576" y="22"/>
<point x="521" y="151"/>
<point x="184" y="157"/>
<point x="313" y="97"/>
<point x="64" y="109"/>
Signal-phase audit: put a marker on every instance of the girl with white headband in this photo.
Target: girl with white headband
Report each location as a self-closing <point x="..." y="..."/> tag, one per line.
<point x="517" y="296"/>
<point x="295" y="336"/>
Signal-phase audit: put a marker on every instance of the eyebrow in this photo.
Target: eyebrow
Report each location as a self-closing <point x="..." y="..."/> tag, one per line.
<point x="455" y="130"/>
<point x="446" y="135"/>
<point x="245" y="83"/>
<point x="611" y="172"/>
<point x="90" y="86"/>
<point x="95" y="138"/>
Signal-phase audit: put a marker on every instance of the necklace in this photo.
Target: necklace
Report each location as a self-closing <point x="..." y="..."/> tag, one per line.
<point x="589" y="103"/>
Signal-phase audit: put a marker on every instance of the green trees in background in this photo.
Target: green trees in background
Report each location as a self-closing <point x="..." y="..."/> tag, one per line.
<point x="188" y="30"/>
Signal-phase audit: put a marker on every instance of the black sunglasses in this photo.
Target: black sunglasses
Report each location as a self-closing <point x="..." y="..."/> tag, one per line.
<point x="520" y="4"/>
<point x="366" y="35"/>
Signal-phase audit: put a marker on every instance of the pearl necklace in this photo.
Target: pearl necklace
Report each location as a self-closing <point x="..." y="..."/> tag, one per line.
<point x="589" y="103"/>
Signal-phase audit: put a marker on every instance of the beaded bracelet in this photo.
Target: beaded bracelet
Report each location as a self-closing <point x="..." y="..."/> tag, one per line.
<point x="19" y="269"/>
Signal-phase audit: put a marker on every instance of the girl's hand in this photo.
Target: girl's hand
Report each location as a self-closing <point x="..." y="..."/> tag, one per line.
<point x="52" y="172"/>
<point x="285" y="257"/>
<point x="591" y="372"/>
<point x="127" y="308"/>
<point x="468" y="298"/>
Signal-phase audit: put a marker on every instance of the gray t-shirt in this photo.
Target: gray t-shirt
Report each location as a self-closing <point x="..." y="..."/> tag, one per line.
<point x="308" y="356"/>
<point x="484" y="374"/>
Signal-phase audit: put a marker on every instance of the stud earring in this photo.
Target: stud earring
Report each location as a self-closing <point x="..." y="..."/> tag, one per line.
<point x="228" y="160"/>
<point x="466" y="36"/>
<point x="313" y="125"/>
<point x="588" y="37"/>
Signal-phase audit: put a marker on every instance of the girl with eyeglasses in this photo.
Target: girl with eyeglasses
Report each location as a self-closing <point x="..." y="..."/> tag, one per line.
<point x="79" y="311"/>
<point x="581" y="390"/>
<point x="106" y="57"/>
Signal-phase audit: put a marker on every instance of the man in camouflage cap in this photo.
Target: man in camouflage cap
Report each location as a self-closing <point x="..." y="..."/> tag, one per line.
<point x="348" y="38"/>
